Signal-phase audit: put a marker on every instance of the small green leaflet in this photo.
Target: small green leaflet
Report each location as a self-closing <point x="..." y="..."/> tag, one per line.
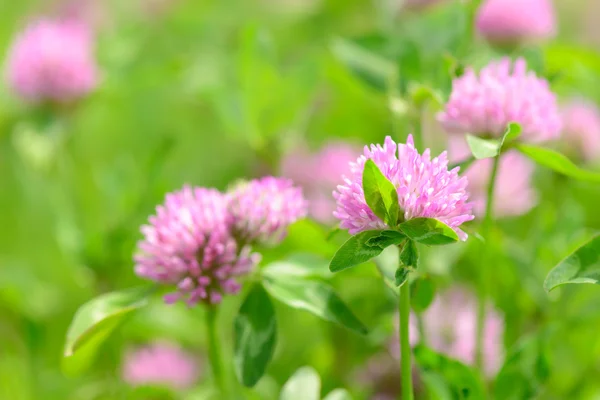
<point x="305" y="384"/>
<point x="582" y="266"/>
<point x="556" y="161"/>
<point x="315" y="297"/>
<point x="380" y="194"/>
<point x="409" y="255"/>
<point x="428" y="231"/>
<point x="488" y="148"/>
<point x="355" y="251"/>
<point x="255" y="329"/>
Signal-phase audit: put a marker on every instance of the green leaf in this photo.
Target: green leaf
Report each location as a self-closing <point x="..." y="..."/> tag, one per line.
<point x="386" y="239"/>
<point x="338" y="394"/>
<point x="409" y="255"/>
<point x="305" y="384"/>
<point x="556" y="161"/>
<point x="422" y="293"/>
<point x="513" y="131"/>
<point x="380" y="194"/>
<point x="355" y="251"/>
<point x="428" y="231"/>
<point x="100" y="316"/>
<point x="488" y="148"/>
<point x="524" y="372"/>
<point x="483" y="148"/>
<point x="401" y="275"/>
<point x="582" y="266"/>
<point x="255" y="336"/>
<point x="461" y="379"/>
<point x="316" y="298"/>
<point x="300" y="264"/>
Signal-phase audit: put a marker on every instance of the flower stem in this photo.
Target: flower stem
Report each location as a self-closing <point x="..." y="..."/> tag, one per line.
<point x="486" y="230"/>
<point x="214" y="350"/>
<point x="405" y="351"/>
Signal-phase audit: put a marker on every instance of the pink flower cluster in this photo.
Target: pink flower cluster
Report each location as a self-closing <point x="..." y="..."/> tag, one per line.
<point x="52" y="60"/>
<point x="515" y="21"/>
<point x="262" y="209"/>
<point x="581" y="133"/>
<point x="160" y="364"/>
<point x="425" y="186"/>
<point x="485" y="103"/>
<point x="318" y="174"/>
<point x="514" y="193"/>
<point x="200" y="239"/>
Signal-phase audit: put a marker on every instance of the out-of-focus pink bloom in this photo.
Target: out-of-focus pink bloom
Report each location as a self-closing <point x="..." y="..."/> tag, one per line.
<point x="450" y="326"/>
<point x="514" y="21"/>
<point x="485" y="103"/>
<point x="318" y="174"/>
<point x="581" y="131"/>
<point x="188" y="243"/>
<point x="425" y="188"/>
<point x="160" y="364"/>
<point x="52" y="60"/>
<point x="262" y="209"/>
<point x="514" y="193"/>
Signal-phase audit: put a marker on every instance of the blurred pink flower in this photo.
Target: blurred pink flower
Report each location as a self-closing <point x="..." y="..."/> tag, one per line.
<point x="513" y="21"/>
<point x="514" y="193"/>
<point x="425" y="186"/>
<point x="581" y="131"/>
<point x="160" y="364"/>
<point x="189" y="243"/>
<point x="52" y="60"/>
<point x="485" y="103"/>
<point x="262" y="209"/>
<point x="318" y="174"/>
<point x="450" y="325"/>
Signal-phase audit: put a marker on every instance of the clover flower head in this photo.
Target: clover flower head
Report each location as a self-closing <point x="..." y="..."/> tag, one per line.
<point x="425" y="187"/>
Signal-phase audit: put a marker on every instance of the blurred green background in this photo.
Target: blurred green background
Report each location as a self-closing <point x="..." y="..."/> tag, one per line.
<point x="207" y="92"/>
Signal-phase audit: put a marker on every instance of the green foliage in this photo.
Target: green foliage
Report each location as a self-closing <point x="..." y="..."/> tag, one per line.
<point x="459" y="379"/>
<point x="305" y="384"/>
<point x="556" y="161"/>
<point x="356" y="251"/>
<point x="525" y="370"/>
<point x="488" y="148"/>
<point x="380" y="194"/>
<point x="315" y="297"/>
<point x="255" y="336"/>
<point x="422" y="293"/>
<point x="583" y="266"/>
<point x="428" y="231"/>
<point x="96" y="319"/>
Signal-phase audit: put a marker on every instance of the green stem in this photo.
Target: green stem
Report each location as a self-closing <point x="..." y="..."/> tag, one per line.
<point x="214" y="350"/>
<point x="405" y="351"/>
<point x="486" y="230"/>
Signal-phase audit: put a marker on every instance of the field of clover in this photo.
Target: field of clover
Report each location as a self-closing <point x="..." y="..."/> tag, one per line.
<point x="299" y="199"/>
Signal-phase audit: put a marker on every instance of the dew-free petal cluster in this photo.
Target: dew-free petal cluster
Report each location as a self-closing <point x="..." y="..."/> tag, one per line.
<point x="262" y="209"/>
<point x="188" y="243"/>
<point x="318" y="174"/>
<point x="581" y="133"/>
<point x="52" y="60"/>
<point x="485" y="103"/>
<point x="160" y="363"/>
<point x="425" y="186"/>
<point x="514" y="193"/>
<point x="513" y="21"/>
